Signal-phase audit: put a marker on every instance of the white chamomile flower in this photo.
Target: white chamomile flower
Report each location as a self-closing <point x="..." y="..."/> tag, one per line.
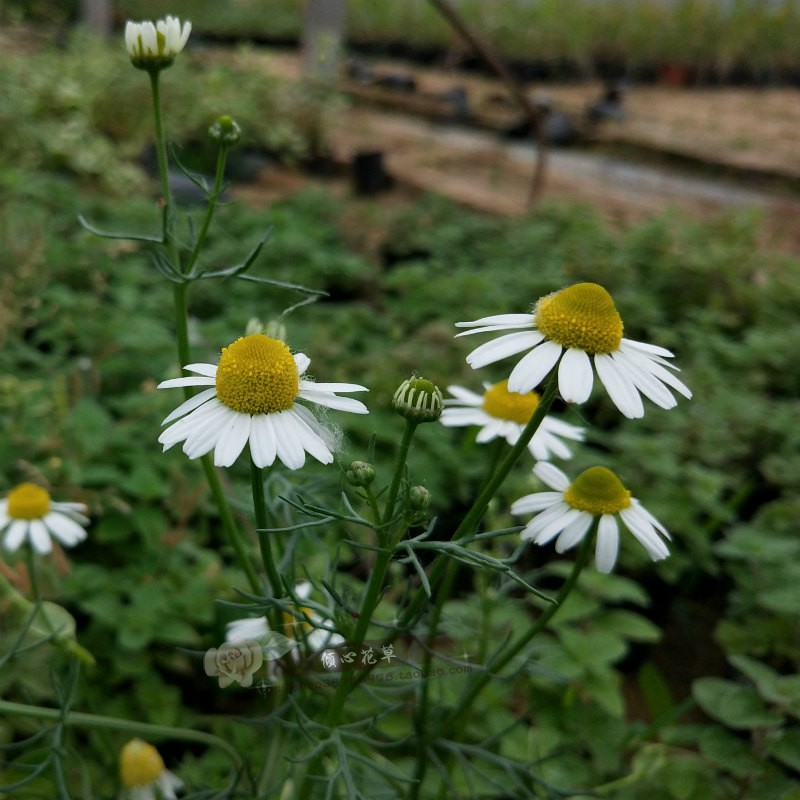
<point x="29" y="513"/>
<point x="504" y="414"/>
<point x="144" y="775"/>
<point x="251" y="399"/>
<point x="153" y="46"/>
<point x="306" y="625"/>
<point x="573" y="328"/>
<point x="569" y="510"/>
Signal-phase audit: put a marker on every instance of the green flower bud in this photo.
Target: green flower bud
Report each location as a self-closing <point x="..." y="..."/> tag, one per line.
<point x="225" y="130"/>
<point x="418" y="400"/>
<point x="360" y="473"/>
<point x="419" y="498"/>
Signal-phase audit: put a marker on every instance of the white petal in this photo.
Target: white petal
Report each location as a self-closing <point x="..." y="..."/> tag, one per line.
<point x="131" y="36"/>
<point x="309" y="440"/>
<point x="302" y="361"/>
<point x="149" y="38"/>
<point x="188" y="380"/>
<point x="544" y="444"/>
<point x="66" y="530"/>
<point x="209" y="370"/>
<point x="502" y="347"/>
<point x="203" y="438"/>
<point x="563" y="429"/>
<point x="551" y="476"/>
<point x="574" y="532"/>
<point x="622" y="392"/>
<point x="640" y="374"/>
<point x="459" y="417"/>
<point x="493" y="429"/>
<point x="534" y="367"/>
<point x="39" y="537"/>
<point x="15" y="534"/>
<point x="645" y="534"/>
<point x="533" y="503"/>
<point x="465" y="396"/>
<point x="194" y="421"/>
<point x="605" y="554"/>
<point x="643" y="347"/>
<point x="242" y="630"/>
<point x="232" y="439"/>
<point x="289" y="449"/>
<point x="190" y="405"/>
<point x="262" y="441"/>
<point x="653" y="366"/>
<point x="499" y="320"/>
<point x="333" y="387"/>
<point x="330" y="400"/>
<point x="575" y="376"/>
<point x="550" y="525"/>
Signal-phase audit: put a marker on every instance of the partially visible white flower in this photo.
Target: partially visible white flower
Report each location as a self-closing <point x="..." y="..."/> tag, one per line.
<point x="29" y="513"/>
<point x="574" y="328"/>
<point x="503" y="414"/>
<point x="569" y="510"/>
<point x="144" y="775"/>
<point x="311" y="630"/>
<point x="251" y="399"/>
<point x="153" y="46"/>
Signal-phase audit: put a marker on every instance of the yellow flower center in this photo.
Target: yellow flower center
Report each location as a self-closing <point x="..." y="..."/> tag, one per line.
<point x="599" y="491"/>
<point x="257" y="375"/>
<point x="28" y="501"/>
<point x="582" y="316"/>
<point x="500" y="403"/>
<point x="139" y="764"/>
<point x="297" y="627"/>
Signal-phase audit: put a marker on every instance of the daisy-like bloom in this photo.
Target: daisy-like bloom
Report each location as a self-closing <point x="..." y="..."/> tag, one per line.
<point x="573" y="328"/>
<point x="153" y="46"/>
<point x="312" y="629"/>
<point x="569" y="510"/>
<point x="251" y="398"/>
<point x="143" y="773"/>
<point x="504" y="414"/>
<point x="29" y="513"/>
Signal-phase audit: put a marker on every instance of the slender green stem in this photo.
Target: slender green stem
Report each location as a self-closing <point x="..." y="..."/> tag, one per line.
<point x="33" y="576"/>
<point x="262" y="523"/>
<point x="229" y="525"/>
<point x="497" y="663"/>
<point x="181" y="305"/>
<point x="212" y="204"/>
<point x="469" y="523"/>
<point x="371" y="597"/>
<point x="478" y="509"/>
<point x="400" y="468"/>
<point x="161" y="158"/>
<point x="115" y="723"/>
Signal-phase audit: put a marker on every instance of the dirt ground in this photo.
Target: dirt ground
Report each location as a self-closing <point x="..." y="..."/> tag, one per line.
<point x="744" y="135"/>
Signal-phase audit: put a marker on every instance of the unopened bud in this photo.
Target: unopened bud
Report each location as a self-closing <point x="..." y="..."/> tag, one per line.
<point x="418" y="400"/>
<point x="360" y="473"/>
<point x="225" y="131"/>
<point x="419" y="498"/>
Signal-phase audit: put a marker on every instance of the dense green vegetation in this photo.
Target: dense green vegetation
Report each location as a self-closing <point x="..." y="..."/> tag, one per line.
<point x="674" y="681"/>
<point x="713" y="39"/>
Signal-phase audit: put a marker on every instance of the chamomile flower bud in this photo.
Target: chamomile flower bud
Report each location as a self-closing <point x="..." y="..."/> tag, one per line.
<point x="360" y="473"/>
<point x="225" y="130"/>
<point x="419" y="498"/>
<point x="418" y="400"/>
<point x="153" y="46"/>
